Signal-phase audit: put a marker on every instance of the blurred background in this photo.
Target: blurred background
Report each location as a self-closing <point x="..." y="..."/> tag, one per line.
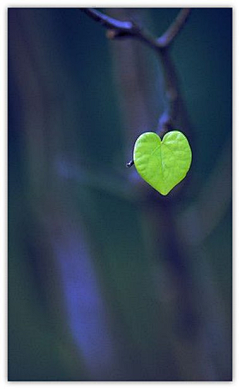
<point x="107" y="279"/>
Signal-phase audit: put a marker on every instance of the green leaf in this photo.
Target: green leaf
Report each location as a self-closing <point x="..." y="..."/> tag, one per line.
<point x="162" y="164"/>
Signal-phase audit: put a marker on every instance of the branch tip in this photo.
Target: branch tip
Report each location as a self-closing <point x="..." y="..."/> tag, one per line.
<point x="170" y="34"/>
<point x="129" y="164"/>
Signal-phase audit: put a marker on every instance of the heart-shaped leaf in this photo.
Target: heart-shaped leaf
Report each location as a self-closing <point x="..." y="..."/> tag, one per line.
<point x="162" y="163"/>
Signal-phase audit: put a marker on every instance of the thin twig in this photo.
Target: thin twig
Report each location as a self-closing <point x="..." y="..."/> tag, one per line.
<point x="120" y="29"/>
<point x="167" y="38"/>
<point x="172" y="94"/>
<point x="107" y="21"/>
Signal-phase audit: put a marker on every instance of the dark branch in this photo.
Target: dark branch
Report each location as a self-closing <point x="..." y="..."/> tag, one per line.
<point x="124" y="29"/>
<point x="120" y="29"/>
<point x="172" y="94"/>
<point x="167" y="38"/>
<point x="107" y="21"/>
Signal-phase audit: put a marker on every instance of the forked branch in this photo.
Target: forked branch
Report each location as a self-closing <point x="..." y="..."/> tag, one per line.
<point x="124" y="29"/>
<point x="119" y="29"/>
<point x="170" y="34"/>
